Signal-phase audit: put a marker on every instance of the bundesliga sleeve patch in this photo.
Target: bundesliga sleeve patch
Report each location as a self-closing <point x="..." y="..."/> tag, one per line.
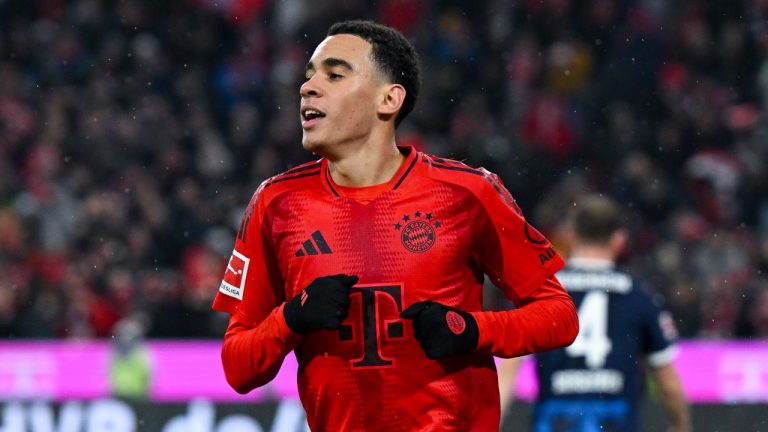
<point x="233" y="283"/>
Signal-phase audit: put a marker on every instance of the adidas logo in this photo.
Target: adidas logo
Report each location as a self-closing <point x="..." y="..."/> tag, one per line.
<point x="320" y="246"/>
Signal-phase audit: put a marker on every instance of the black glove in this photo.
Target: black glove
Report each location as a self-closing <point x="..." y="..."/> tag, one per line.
<point x="323" y="304"/>
<point x="442" y="330"/>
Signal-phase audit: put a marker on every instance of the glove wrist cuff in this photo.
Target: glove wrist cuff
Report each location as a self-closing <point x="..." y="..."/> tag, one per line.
<point x="473" y="330"/>
<point x="290" y="313"/>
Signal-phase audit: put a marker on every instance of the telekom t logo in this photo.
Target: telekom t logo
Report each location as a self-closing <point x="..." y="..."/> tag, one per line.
<point x="371" y="298"/>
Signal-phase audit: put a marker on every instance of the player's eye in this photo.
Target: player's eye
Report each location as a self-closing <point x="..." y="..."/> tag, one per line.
<point x="334" y="76"/>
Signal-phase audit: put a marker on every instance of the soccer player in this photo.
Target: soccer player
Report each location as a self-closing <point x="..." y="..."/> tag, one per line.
<point x="595" y="384"/>
<point x="369" y="262"/>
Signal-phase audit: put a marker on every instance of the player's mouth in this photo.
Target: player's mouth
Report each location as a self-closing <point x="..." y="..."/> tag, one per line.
<point x="310" y="117"/>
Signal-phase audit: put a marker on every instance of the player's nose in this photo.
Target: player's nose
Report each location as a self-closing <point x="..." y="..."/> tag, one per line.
<point x="309" y="88"/>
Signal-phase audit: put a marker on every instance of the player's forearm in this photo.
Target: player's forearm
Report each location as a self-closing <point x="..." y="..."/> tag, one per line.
<point x="508" y="370"/>
<point x="542" y="325"/>
<point x="679" y="415"/>
<point x="252" y="355"/>
<point x="672" y="397"/>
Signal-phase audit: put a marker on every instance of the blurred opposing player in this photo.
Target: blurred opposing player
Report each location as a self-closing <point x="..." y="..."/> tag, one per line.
<point x="595" y="384"/>
<point x="369" y="262"/>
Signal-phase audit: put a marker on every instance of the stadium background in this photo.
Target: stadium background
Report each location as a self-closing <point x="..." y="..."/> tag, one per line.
<point x="132" y="134"/>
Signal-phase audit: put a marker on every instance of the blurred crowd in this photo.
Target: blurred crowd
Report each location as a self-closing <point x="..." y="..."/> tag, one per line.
<point x="133" y="133"/>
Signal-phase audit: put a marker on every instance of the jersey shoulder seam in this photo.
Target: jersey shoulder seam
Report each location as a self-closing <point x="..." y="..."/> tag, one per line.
<point x="455" y="172"/>
<point x="475" y="180"/>
<point x="292" y="179"/>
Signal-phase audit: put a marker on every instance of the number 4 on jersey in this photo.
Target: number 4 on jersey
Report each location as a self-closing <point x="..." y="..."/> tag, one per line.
<point x="592" y="343"/>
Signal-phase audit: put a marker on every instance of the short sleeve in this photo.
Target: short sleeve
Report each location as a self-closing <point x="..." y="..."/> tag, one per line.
<point x="658" y="329"/>
<point x="514" y="254"/>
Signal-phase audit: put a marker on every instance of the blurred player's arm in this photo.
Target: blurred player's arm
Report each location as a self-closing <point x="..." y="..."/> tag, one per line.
<point x="508" y="372"/>
<point x="672" y="397"/>
<point x="660" y="337"/>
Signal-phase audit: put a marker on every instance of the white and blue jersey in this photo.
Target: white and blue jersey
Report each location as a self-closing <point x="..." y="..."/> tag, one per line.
<point x="596" y="383"/>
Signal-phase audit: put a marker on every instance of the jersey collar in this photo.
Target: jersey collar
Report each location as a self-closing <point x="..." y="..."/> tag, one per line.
<point x="368" y="193"/>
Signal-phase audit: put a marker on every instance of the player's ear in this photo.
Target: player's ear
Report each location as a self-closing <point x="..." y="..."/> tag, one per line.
<point x="391" y="100"/>
<point x="619" y="240"/>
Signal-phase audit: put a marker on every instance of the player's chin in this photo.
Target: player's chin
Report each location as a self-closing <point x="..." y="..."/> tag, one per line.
<point x="311" y="143"/>
<point x="308" y="144"/>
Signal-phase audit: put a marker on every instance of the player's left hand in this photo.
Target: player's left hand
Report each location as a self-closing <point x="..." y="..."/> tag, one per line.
<point x="442" y="330"/>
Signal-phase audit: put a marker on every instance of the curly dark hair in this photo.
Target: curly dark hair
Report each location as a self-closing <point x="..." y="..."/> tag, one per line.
<point x="392" y="53"/>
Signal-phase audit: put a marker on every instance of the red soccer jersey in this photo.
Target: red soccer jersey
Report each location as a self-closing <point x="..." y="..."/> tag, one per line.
<point x="428" y="234"/>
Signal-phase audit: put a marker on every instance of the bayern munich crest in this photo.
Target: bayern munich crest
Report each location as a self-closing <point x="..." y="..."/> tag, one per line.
<point x="418" y="231"/>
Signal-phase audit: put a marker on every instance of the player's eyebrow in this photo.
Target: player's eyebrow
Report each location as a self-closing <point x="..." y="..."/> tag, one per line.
<point x="332" y="62"/>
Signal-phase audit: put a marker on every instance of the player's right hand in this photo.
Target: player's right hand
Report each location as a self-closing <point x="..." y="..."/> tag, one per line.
<point x="323" y="304"/>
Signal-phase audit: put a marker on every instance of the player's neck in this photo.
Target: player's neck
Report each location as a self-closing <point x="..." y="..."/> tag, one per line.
<point x="591" y="252"/>
<point x="366" y="165"/>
